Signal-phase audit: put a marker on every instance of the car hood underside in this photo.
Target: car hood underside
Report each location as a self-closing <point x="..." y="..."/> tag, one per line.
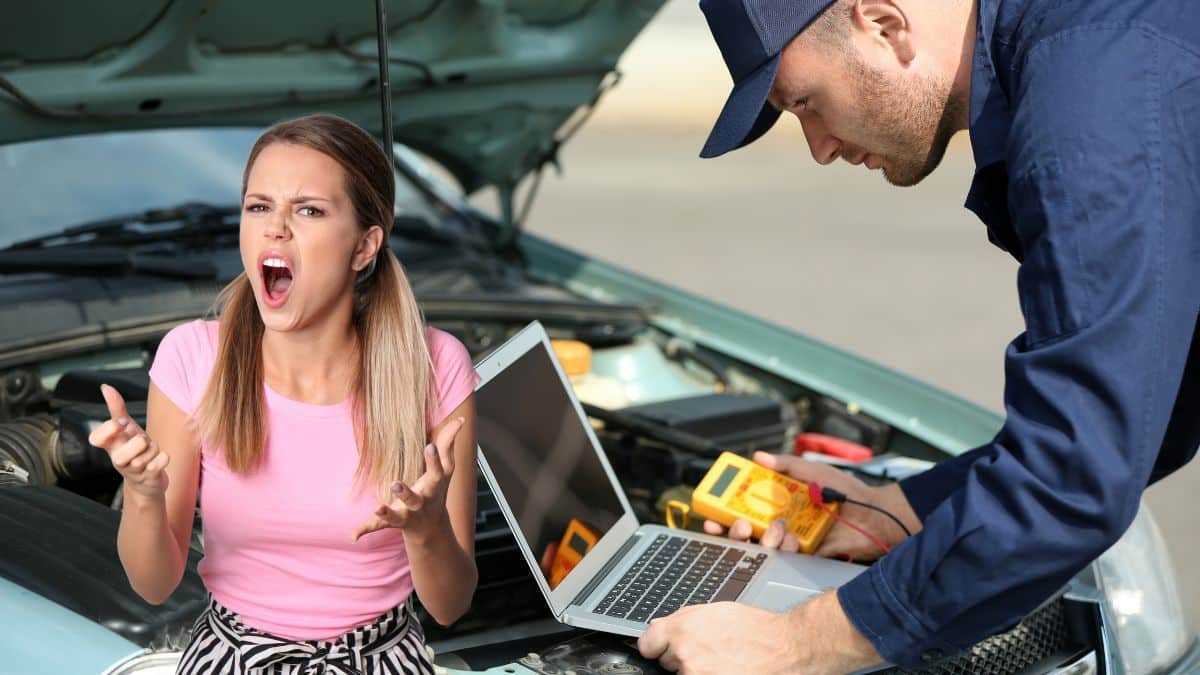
<point x="481" y="86"/>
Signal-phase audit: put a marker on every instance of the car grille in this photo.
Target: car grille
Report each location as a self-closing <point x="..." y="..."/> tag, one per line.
<point x="1040" y="641"/>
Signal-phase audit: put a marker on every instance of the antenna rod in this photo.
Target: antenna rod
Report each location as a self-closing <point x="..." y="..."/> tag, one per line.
<point x="385" y="87"/>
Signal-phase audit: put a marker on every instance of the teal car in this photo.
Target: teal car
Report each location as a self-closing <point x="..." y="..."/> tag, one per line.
<point x="124" y="128"/>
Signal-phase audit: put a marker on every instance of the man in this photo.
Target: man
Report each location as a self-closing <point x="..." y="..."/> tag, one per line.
<point x="1084" y="119"/>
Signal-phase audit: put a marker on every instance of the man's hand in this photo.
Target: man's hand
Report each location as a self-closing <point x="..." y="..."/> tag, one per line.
<point x="841" y="541"/>
<point x="727" y="637"/>
<point x="420" y="510"/>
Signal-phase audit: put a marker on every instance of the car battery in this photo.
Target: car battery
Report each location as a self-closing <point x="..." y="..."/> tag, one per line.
<point x="737" y="423"/>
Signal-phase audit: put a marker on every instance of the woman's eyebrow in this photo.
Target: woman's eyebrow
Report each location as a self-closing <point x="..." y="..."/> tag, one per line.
<point x="296" y="200"/>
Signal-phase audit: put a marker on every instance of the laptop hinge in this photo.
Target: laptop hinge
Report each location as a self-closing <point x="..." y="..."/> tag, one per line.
<point x="608" y="567"/>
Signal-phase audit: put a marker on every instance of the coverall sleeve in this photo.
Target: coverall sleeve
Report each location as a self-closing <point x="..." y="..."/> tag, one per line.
<point x="1109" y="291"/>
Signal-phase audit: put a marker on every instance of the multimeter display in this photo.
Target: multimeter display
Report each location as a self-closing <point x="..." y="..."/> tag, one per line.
<point x="736" y="487"/>
<point x="723" y="482"/>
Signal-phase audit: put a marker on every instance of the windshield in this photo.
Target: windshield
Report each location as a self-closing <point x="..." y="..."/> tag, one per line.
<point x="51" y="184"/>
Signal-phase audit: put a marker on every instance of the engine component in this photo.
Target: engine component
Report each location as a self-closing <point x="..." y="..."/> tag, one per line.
<point x="576" y="360"/>
<point x="83" y="386"/>
<point x="19" y="390"/>
<point x="738" y="423"/>
<point x="30" y="445"/>
<point x="592" y="654"/>
<point x="81" y="460"/>
<point x="842" y="420"/>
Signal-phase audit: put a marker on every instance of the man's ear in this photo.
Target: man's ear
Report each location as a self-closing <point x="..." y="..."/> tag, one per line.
<point x="887" y="21"/>
<point x="368" y="247"/>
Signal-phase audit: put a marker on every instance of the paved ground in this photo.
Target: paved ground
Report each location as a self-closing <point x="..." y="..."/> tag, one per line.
<point x="905" y="277"/>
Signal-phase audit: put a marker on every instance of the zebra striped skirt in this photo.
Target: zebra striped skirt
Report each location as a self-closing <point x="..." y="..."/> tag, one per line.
<point x="393" y="644"/>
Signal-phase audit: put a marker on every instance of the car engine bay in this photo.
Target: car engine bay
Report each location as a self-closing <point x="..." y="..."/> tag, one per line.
<point x="662" y="407"/>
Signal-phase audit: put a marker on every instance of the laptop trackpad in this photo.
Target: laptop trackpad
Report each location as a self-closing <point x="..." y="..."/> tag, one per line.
<point x="779" y="597"/>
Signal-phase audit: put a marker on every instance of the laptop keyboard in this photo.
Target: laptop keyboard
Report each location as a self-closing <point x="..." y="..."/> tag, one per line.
<point x="675" y="572"/>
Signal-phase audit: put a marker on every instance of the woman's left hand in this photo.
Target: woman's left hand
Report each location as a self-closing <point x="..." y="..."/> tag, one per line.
<point x="420" y="510"/>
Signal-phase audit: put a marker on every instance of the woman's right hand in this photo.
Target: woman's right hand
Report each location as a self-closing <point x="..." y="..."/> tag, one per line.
<point x="841" y="540"/>
<point x="133" y="453"/>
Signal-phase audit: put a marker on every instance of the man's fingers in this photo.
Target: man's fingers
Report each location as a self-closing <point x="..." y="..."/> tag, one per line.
<point x="714" y="528"/>
<point x="773" y="536"/>
<point x="741" y="530"/>
<point x="653" y="642"/>
<point x="790" y="543"/>
<point x="801" y="470"/>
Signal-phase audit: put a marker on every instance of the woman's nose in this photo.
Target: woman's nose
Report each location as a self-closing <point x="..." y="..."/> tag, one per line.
<point x="277" y="226"/>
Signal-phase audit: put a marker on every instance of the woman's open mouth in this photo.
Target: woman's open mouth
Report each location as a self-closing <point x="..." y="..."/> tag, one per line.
<point x="277" y="279"/>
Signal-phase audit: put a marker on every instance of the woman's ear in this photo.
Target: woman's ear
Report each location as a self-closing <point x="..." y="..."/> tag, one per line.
<point x="368" y="247"/>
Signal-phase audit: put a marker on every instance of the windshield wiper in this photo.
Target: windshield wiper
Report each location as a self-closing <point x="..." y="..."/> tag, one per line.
<point x="194" y="217"/>
<point x="101" y="261"/>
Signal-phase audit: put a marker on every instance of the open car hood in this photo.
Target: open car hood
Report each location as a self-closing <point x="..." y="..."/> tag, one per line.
<point x="482" y="86"/>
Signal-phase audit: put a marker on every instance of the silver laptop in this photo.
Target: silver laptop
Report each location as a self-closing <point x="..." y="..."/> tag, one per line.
<point x="552" y="479"/>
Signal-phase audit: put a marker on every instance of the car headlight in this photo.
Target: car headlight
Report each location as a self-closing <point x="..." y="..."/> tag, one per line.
<point x="147" y="663"/>
<point x="1148" y="630"/>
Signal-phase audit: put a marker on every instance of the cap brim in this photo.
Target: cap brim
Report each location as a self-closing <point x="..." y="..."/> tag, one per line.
<point x="747" y="114"/>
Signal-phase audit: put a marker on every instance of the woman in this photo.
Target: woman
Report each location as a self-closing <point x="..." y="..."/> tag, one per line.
<point x="302" y="418"/>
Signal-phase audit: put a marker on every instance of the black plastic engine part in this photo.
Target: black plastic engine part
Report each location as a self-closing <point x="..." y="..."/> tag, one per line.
<point x="83" y="386"/>
<point x="740" y="423"/>
<point x="87" y="468"/>
<point x="20" y="390"/>
<point x="64" y="548"/>
<point x="836" y="419"/>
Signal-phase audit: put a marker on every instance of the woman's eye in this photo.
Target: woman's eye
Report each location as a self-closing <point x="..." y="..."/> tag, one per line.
<point x="256" y="208"/>
<point x="311" y="211"/>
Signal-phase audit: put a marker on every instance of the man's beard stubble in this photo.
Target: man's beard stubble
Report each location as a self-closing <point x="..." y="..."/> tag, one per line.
<point x="915" y="122"/>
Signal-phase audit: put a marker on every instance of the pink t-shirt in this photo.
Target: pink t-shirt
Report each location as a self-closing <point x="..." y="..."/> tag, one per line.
<point x="277" y="542"/>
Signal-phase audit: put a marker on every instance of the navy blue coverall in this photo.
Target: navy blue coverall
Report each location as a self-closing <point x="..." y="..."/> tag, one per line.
<point x="1085" y="126"/>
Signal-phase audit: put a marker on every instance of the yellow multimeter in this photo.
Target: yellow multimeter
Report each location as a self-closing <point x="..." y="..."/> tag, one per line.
<point x="576" y="542"/>
<point x="736" y="487"/>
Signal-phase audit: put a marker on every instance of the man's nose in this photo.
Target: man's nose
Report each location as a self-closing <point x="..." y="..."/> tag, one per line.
<point x="824" y="146"/>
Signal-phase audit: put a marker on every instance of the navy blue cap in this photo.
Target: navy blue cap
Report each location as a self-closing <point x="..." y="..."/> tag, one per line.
<point x="751" y="34"/>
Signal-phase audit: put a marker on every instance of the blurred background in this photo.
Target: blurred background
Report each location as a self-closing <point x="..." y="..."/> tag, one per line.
<point x="905" y="277"/>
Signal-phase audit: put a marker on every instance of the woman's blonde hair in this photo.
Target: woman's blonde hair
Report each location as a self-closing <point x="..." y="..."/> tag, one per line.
<point x="392" y="394"/>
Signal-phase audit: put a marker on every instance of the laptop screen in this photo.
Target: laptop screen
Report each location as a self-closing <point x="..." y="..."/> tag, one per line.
<point x="543" y="461"/>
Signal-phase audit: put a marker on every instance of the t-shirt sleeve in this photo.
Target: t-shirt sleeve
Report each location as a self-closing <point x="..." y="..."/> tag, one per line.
<point x="182" y="364"/>
<point x="454" y="374"/>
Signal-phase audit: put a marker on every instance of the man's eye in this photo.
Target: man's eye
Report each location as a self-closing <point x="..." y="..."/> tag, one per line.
<point x="311" y="211"/>
<point x="256" y="208"/>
